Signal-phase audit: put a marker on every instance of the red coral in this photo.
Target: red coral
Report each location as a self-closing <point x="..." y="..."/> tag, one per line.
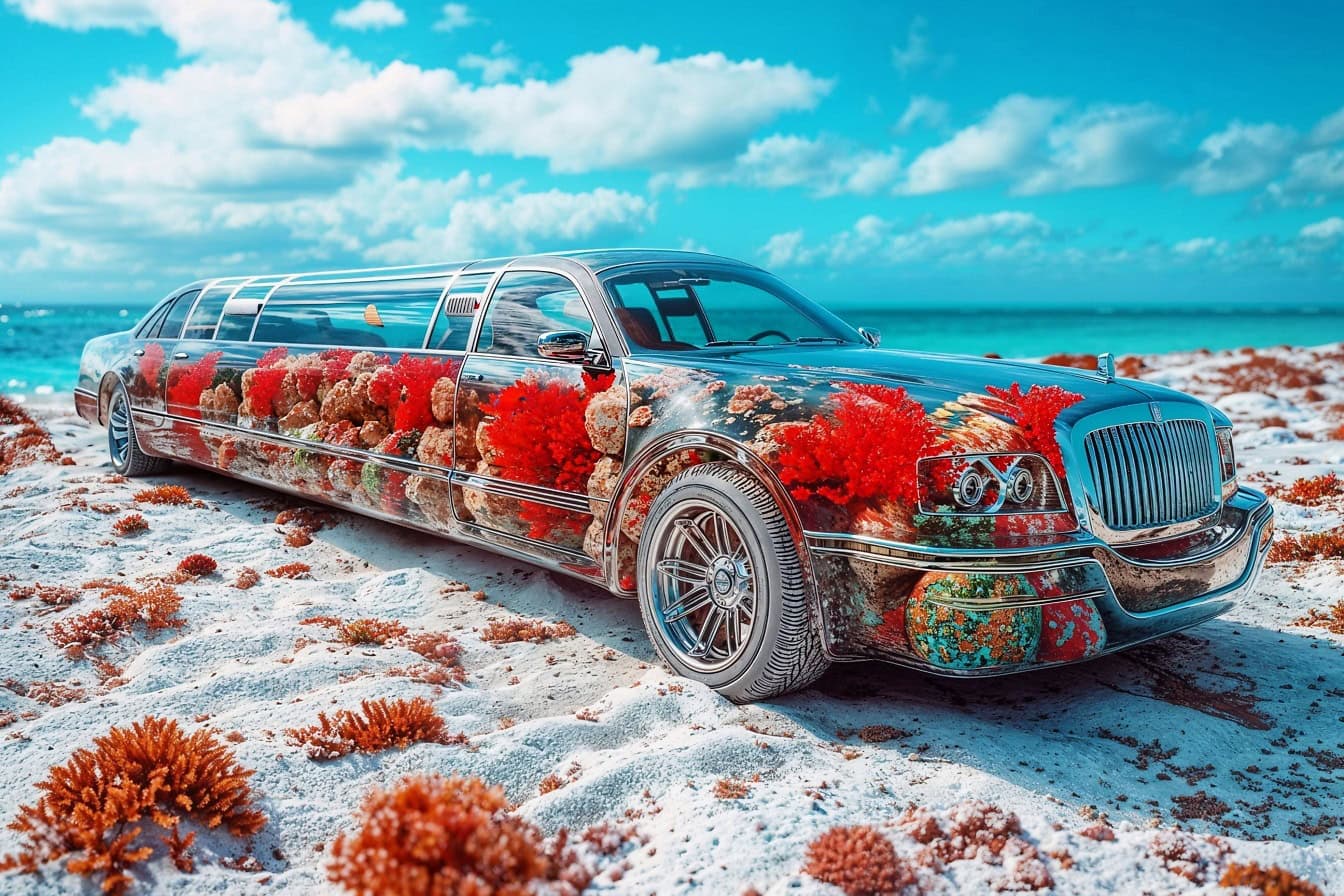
<point x="335" y="364"/>
<point x="186" y="383"/>
<point x="307" y="380"/>
<point x="858" y="860"/>
<point x="1035" y="411"/>
<point x="417" y="377"/>
<point x="273" y="357"/>
<point x="151" y="362"/>
<point x="1313" y="491"/>
<point x="1270" y="880"/>
<point x="537" y="431"/>
<point x="378" y="725"/>
<point x="130" y="524"/>
<point x="265" y="388"/>
<point x="198" y="565"/>
<point x="866" y="448"/>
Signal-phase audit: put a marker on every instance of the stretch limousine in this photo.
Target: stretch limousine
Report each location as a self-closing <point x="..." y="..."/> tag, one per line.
<point x="775" y="490"/>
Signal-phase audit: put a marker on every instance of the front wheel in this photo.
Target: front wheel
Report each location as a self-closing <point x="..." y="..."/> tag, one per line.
<point x="123" y="448"/>
<point x="721" y="587"/>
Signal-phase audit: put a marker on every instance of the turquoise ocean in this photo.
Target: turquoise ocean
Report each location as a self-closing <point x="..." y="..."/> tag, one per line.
<point x="40" y="346"/>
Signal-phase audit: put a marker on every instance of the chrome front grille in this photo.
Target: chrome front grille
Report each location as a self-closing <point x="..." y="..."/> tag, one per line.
<point x="1152" y="474"/>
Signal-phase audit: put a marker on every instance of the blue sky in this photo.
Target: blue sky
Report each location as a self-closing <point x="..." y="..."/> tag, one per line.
<point x="917" y="154"/>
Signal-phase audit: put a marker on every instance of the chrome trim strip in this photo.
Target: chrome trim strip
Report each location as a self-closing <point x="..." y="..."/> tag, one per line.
<point x="526" y="492"/>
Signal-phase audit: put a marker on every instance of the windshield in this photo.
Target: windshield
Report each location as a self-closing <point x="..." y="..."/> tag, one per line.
<point x="683" y="309"/>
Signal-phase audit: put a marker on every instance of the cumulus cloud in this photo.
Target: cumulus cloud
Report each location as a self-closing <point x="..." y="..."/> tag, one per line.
<point x="917" y="52"/>
<point x="454" y="16"/>
<point x="1239" y="157"/>
<point x="823" y="166"/>
<point x="83" y="15"/>
<point x="1329" y="230"/>
<point x="922" y="110"/>
<point x="1313" y="178"/>
<point x="1106" y="146"/>
<point x="1329" y="129"/>
<point x="619" y="107"/>
<point x="1005" y="143"/>
<point x="370" y="15"/>
<point x="1200" y="245"/>
<point x="495" y="67"/>
<point x="873" y="240"/>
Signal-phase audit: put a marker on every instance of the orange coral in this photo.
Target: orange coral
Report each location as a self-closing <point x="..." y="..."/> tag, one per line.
<point x="91" y="807"/>
<point x="299" y="536"/>
<point x="1271" y="880"/>
<point x="511" y="630"/>
<point x="247" y="577"/>
<point x="163" y="494"/>
<point x="30" y="445"/>
<point x="1308" y="546"/>
<point x="310" y="518"/>
<point x="1330" y="619"/>
<point x="55" y="595"/>
<point x="379" y="725"/>
<point x="197" y="565"/>
<point x="360" y="631"/>
<point x="1314" y="490"/>
<point x="431" y="834"/>
<point x="731" y="789"/>
<point x="155" y="608"/>
<point x="290" y="571"/>
<point x="130" y="524"/>
<point x="1261" y="373"/>
<point x="866" y="448"/>
<point x="858" y="860"/>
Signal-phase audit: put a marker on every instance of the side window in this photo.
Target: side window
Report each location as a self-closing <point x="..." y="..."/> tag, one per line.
<point x="237" y="327"/>
<point x="454" y="324"/>
<point x="377" y="314"/>
<point x="201" y="324"/>
<point x="150" y="328"/>
<point x="527" y="304"/>
<point x="177" y="315"/>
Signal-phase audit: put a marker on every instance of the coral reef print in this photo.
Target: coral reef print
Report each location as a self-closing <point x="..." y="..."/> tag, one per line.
<point x="956" y="638"/>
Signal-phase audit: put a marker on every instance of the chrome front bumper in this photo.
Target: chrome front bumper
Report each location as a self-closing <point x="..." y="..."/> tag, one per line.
<point x="1140" y="592"/>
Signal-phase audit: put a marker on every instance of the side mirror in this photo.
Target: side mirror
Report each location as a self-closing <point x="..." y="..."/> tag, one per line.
<point x="563" y="345"/>
<point x="871" y="335"/>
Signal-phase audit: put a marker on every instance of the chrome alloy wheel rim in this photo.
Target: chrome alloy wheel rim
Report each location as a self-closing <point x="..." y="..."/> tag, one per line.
<point x="703" y="587"/>
<point x="118" y="431"/>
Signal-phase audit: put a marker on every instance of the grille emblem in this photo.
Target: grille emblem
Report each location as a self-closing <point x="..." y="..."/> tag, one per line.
<point x="1156" y="410"/>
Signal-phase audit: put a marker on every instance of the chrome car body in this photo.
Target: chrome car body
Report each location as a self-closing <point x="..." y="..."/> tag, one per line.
<point x="965" y="516"/>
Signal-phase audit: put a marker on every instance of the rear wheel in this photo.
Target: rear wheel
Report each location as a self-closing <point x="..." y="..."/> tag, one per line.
<point x="123" y="448"/>
<point x="721" y="587"/>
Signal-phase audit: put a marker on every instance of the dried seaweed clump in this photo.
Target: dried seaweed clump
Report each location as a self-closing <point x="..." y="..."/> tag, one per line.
<point x="55" y="595"/>
<point x="92" y="808"/>
<point x="30" y="444"/>
<point x="1308" y="546"/>
<point x="197" y="565"/>
<point x="164" y="494"/>
<point x="130" y="524"/>
<point x="858" y="860"/>
<point x="1314" y="490"/>
<point x="290" y="571"/>
<point x="509" y="631"/>
<point x="1271" y="880"/>
<point x="430" y="834"/>
<point x="154" y="607"/>
<point x="379" y="725"/>
<point x="1331" y="619"/>
<point x="360" y="631"/>
<point x="1265" y="373"/>
<point x="247" y="578"/>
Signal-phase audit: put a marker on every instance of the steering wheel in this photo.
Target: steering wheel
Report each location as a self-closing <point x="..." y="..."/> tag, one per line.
<point x="765" y="333"/>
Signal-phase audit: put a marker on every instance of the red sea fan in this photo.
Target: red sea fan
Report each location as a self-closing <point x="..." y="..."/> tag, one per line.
<point x="151" y="362"/>
<point x="1035" y="411"/>
<point x="866" y="448"/>
<point x="539" y="435"/>
<point x="186" y="383"/>
<point x="417" y="377"/>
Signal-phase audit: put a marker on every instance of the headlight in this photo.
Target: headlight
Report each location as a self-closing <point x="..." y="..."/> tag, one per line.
<point x="1226" y="453"/>
<point x="988" y="484"/>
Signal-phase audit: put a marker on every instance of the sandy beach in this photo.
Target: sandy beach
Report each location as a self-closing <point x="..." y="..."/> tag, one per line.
<point x="1150" y="771"/>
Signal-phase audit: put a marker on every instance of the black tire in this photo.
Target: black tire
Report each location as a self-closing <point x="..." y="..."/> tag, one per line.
<point x="123" y="446"/>
<point x="756" y="575"/>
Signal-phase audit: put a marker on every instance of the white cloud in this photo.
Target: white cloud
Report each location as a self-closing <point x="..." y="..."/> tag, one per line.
<point x="83" y="15"/>
<point x="618" y="107"/>
<point x="1105" y="146"/>
<point x="1239" y="157"/>
<point x="521" y="222"/>
<point x="1200" y="245"/>
<point x="916" y="53"/>
<point x="454" y="16"/>
<point x="1005" y="143"/>
<point x="1329" y="231"/>
<point x="823" y="166"/>
<point x="1313" y="178"/>
<point x="922" y="110"/>
<point x="1329" y="129"/>
<point x="370" y="15"/>
<point x="493" y="68"/>
<point x="873" y="240"/>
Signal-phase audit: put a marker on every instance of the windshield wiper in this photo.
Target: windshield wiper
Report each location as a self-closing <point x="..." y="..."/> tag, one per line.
<point x="722" y="342"/>
<point x="817" y="340"/>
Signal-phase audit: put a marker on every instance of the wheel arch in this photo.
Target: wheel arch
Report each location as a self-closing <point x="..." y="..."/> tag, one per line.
<point x="106" y="386"/>
<point x="648" y="466"/>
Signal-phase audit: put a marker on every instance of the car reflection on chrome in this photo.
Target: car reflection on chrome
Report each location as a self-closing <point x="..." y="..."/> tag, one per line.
<point x="775" y="490"/>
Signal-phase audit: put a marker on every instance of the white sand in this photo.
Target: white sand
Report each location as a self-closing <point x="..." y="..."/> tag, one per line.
<point x="1031" y="744"/>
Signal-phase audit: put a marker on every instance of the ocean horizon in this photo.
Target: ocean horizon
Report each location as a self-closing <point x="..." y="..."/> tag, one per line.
<point x="40" y="345"/>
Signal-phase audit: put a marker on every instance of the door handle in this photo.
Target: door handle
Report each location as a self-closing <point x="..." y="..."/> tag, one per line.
<point x="474" y="377"/>
<point x="138" y="352"/>
<point x="178" y="356"/>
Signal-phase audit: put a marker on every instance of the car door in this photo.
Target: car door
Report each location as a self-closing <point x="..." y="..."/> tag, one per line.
<point x="154" y="347"/>
<point x="522" y="451"/>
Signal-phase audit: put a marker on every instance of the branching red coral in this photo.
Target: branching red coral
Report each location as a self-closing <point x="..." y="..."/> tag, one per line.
<point x="379" y="725"/>
<point x="31" y="444"/>
<point x="163" y="494"/>
<point x="417" y="376"/>
<point x="196" y="565"/>
<point x="55" y="595"/>
<point x="290" y="571"/>
<point x="130" y="524"/>
<point x="858" y="860"/>
<point x="154" y="607"/>
<point x="1036" y="411"/>
<point x="1331" y="619"/>
<point x="187" y="382"/>
<point x="431" y="834"/>
<point x="1314" y="490"/>
<point x="509" y="631"/>
<point x="1308" y="546"/>
<point x="92" y="808"/>
<point x="865" y="448"/>
<point x="360" y="631"/>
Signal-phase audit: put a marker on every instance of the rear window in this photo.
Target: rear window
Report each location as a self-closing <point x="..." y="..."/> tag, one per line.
<point x="377" y="314"/>
<point x="171" y="326"/>
<point x="201" y="324"/>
